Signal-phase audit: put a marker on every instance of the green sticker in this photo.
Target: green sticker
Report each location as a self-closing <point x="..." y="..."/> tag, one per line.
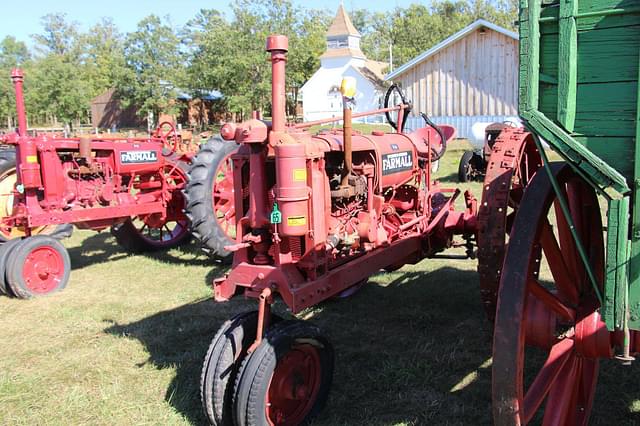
<point x="276" y="216"/>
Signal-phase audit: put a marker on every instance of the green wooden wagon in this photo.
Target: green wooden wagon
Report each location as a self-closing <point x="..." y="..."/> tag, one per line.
<point x="570" y="284"/>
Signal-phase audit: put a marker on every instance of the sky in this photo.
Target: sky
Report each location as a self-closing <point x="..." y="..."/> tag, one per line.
<point x="21" y="20"/>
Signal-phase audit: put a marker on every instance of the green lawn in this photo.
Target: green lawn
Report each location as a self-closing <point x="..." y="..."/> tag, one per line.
<point x="124" y="343"/>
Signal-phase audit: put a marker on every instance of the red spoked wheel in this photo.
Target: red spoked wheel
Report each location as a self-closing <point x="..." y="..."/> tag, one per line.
<point x="286" y="380"/>
<point x="36" y="266"/>
<point x="166" y="132"/>
<point x="548" y="334"/>
<point x="159" y="231"/>
<point x="223" y="196"/>
<point x="513" y="162"/>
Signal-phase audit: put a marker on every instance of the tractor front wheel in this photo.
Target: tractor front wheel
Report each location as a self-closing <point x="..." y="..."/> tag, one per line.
<point x="210" y="198"/>
<point x="37" y="266"/>
<point x="222" y="362"/>
<point x="5" y="250"/>
<point x="286" y="379"/>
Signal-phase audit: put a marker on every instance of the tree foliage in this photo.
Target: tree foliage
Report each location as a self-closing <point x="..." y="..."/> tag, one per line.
<point x="230" y="55"/>
<point x="154" y="65"/>
<point x="68" y="67"/>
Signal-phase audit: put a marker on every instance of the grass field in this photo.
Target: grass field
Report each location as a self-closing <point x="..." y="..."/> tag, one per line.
<point x="124" y="344"/>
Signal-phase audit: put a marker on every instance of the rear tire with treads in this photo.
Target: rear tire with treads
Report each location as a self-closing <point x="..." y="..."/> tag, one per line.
<point x="206" y="203"/>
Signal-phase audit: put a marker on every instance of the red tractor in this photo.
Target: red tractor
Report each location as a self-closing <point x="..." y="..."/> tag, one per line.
<point x="315" y="216"/>
<point x="133" y="185"/>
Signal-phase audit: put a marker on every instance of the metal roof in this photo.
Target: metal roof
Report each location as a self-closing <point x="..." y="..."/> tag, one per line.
<point x="480" y="23"/>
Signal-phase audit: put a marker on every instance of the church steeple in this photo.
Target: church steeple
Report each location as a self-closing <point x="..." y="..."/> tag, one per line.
<point x="342" y="25"/>
<point x="343" y="39"/>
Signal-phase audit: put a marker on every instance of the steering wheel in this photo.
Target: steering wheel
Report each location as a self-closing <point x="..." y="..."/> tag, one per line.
<point x="166" y="132"/>
<point x="436" y="155"/>
<point x="387" y="97"/>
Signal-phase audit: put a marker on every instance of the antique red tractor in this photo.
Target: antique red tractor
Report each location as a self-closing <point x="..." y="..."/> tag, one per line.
<point x="316" y="215"/>
<point x="132" y="185"/>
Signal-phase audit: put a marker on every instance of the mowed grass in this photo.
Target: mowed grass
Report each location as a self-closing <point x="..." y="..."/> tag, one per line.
<point x="124" y="343"/>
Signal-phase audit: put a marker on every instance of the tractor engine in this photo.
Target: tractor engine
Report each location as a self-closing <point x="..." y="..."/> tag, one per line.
<point x="312" y="208"/>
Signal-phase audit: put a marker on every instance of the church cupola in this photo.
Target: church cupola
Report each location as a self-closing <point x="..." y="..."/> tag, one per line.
<point x="343" y="40"/>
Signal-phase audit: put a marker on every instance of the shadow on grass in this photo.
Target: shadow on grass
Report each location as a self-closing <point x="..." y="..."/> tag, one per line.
<point x="400" y="348"/>
<point x="102" y="247"/>
<point x="414" y="351"/>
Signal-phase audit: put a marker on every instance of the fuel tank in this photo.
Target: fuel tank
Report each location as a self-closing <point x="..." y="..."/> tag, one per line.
<point x="395" y="154"/>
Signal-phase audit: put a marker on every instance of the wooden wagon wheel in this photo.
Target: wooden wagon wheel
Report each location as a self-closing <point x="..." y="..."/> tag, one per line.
<point x="513" y="162"/>
<point x="548" y="334"/>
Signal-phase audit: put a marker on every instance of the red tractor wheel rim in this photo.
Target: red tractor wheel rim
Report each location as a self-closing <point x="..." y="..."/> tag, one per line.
<point x="294" y="386"/>
<point x="43" y="270"/>
<point x="163" y="231"/>
<point x="556" y="323"/>
<point x="223" y="200"/>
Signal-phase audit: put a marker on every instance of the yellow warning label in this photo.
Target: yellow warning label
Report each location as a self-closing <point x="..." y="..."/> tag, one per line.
<point x="296" y="220"/>
<point x="32" y="158"/>
<point x="300" y="175"/>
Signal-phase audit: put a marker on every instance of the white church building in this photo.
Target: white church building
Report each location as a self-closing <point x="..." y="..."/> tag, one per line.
<point x="321" y="96"/>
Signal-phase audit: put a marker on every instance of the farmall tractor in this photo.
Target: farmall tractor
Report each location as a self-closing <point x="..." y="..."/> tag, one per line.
<point x="315" y="216"/>
<point x="132" y="185"/>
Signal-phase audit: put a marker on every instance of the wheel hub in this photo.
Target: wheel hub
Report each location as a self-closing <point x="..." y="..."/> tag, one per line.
<point x="42" y="270"/>
<point x="294" y="386"/>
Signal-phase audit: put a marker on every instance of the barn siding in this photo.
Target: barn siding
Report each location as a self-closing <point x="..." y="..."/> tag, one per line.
<point x="474" y="76"/>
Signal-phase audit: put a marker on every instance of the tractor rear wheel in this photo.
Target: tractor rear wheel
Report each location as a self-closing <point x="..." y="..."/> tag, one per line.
<point x="5" y="250"/>
<point x="153" y="232"/>
<point x="548" y="334"/>
<point x="465" y="168"/>
<point x="37" y="266"/>
<point x="210" y="197"/>
<point x="513" y="162"/>
<point x="221" y="364"/>
<point x="286" y="379"/>
<point x="8" y="179"/>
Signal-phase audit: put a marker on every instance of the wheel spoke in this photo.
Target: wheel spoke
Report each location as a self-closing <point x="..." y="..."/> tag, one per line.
<point x="560" y="353"/>
<point x="561" y="403"/>
<point x="551" y="301"/>
<point x="558" y="268"/>
<point x="588" y="380"/>
<point x="567" y="245"/>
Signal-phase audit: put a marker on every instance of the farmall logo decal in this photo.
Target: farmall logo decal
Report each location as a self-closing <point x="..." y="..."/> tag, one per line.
<point x="397" y="162"/>
<point x="128" y="157"/>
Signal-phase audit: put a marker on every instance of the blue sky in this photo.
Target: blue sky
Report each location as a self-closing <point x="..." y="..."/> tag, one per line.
<point x="23" y="19"/>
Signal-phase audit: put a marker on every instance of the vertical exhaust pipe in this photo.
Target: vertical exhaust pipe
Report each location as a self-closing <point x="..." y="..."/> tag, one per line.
<point x="278" y="45"/>
<point x="348" y="90"/>
<point x="18" y="78"/>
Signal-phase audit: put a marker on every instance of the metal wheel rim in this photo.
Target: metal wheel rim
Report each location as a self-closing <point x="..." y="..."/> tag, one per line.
<point x="175" y="226"/>
<point x="294" y="386"/>
<point x="533" y="315"/>
<point x="43" y="270"/>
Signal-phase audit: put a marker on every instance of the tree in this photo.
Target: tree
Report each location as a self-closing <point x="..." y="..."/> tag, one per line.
<point x="55" y="89"/>
<point x="103" y="57"/>
<point x="13" y="53"/>
<point x="154" y="65"/>
<point x="229" y="55"/>
<point x="60" y="37"/>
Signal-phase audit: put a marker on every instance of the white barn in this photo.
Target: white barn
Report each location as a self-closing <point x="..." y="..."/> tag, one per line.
<point x="321" y="96"/>
<point x="471" y="77"/>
